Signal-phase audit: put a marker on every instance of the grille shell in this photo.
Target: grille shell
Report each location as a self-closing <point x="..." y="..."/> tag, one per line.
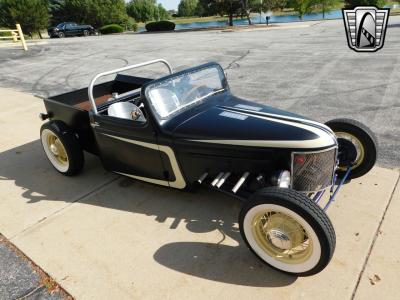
<point x="316" y="173"/>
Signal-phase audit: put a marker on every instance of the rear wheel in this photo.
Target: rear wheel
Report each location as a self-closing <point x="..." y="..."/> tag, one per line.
<point x="62" y="148"/>
<point x="86" y="33"/>
<point x="287" y="231"/>
<point x="357" y="146"/>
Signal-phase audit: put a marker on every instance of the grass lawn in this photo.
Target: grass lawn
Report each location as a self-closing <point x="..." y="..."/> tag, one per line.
<point x="185" y="20"/>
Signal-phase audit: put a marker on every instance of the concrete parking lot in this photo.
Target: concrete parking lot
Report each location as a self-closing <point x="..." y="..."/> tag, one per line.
<point x="103" y="236"/>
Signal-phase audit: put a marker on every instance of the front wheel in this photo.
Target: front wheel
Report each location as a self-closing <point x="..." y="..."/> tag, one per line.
<point x="61" y="35"/>
<point x="288" y="231"/>
<point x="357" y="147"/>
<point x="86" y="33"/>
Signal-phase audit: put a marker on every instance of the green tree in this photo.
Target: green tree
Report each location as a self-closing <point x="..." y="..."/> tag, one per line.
<point x="303" y="7"/>
<point x="56" y="9"/>
<point x="187" y="8"/>
<point x="163" y="14"/>
<point x="31" y="14"/>
<point x="226" y="7"/>
<point x="94" y="12"/>
<point x="204" y="8"/>
<point x="326" y="6"/>
<point x="354" y="3"/>
<point x="142" y="10"/>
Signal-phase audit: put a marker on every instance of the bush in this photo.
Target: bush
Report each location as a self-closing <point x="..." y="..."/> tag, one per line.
<point x="112" y="28"/>
<point x="160" y="26"/>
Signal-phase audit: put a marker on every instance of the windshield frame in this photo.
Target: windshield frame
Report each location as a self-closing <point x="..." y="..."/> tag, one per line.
<point x="178" y="111"/>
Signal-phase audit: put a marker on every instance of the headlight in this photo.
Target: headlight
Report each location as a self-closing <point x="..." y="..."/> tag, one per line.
<point x="283" y="179"/>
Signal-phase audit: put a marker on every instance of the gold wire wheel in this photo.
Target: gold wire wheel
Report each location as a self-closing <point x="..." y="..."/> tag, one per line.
<point x="357" y="144"/>
<point x="57" y="149"/>
<point x="282" y="237"/>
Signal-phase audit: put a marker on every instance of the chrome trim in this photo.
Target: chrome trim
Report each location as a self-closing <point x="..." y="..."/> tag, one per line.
<point x="314" y="152"/>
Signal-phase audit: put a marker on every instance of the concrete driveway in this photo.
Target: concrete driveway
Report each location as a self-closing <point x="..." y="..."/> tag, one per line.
<point x="102" y="236"/>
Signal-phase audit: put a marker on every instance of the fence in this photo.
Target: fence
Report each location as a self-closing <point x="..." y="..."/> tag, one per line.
<point x="15" y="34"/>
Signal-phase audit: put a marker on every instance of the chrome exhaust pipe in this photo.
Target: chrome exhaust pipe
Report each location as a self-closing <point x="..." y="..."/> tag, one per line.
<point x="222" y="180"/>
<point x="240" y="182"/>
<point x="215" y="181"/>
<point x="202" y="177"/>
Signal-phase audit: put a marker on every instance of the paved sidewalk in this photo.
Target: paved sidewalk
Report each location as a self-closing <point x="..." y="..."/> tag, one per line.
<point x="101" y="236"/>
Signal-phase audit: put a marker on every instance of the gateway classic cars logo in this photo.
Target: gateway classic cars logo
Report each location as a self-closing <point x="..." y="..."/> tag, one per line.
<point x="365" y="27"/>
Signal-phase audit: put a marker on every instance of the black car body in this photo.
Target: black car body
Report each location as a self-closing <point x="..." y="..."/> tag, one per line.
<point x="188" y="129"/>
<point x="70" y="29"/>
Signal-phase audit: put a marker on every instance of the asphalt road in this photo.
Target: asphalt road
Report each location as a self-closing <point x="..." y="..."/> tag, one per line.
<point x="307" y="70"/>
<point x="20" y="279"/>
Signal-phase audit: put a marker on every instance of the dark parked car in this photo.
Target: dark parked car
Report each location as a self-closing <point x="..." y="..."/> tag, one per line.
<point x="70" y="29"/>
<point x="188" y="129"/>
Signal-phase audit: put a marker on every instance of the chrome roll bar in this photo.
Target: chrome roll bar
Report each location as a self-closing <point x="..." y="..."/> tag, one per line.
<point x="91" y="85"/>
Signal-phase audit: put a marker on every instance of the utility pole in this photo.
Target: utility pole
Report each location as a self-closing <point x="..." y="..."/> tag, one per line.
<point x="261" y="7"/>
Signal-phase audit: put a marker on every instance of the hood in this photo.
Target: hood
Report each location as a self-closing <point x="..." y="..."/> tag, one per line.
<point x="252" y="124"/>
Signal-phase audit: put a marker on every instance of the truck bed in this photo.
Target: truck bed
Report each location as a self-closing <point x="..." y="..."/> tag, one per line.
<point x="73" y="107"/>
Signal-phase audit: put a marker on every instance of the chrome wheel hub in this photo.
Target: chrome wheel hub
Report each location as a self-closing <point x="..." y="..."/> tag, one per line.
<point x="282" y="237"/>
<point x="279" y="239"/>
<point x="54" y="149"/>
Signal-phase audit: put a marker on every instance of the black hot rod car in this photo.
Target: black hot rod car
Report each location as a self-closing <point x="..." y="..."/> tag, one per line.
<point x="187" y="129"/>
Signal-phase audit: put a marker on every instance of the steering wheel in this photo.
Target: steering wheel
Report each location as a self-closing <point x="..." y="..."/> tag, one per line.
<point x="195" y="89"/>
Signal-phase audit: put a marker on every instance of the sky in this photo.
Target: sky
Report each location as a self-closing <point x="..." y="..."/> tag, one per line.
<point x="169" y="4"/>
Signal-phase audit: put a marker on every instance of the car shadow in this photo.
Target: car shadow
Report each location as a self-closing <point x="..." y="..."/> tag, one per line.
<point x="223" y="259"/>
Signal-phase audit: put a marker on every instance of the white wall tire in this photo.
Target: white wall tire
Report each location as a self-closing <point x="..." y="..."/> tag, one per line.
<point x="55" y="150"/>
<point x="62" y="148"/>
<point x="363" y="141"/>
<point x="306" y="239"/>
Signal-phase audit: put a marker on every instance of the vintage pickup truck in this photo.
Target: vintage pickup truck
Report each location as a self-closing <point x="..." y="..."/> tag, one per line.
<point x="187" y="129"/>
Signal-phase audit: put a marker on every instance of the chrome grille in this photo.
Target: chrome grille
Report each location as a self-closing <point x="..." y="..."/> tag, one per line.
<point x="313" y="171"/>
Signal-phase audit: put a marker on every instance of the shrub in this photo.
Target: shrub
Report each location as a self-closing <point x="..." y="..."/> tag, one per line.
<point x="160" y="26"/>
<point x="112" y="28"/>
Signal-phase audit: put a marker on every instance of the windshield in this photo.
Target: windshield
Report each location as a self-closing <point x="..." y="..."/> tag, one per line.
<point x="173" y="95"/>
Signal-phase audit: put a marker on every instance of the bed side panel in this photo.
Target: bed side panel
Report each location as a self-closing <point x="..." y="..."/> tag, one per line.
<point x="77" y="119"/>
